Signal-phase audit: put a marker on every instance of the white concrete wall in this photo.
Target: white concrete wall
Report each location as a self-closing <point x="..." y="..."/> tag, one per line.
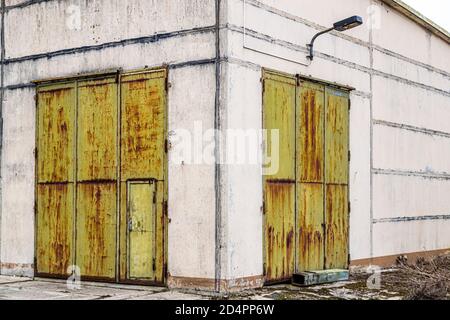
<point x="398" y="120"/>
<point x="129" y="34"/>
<point x="191" y="186"/>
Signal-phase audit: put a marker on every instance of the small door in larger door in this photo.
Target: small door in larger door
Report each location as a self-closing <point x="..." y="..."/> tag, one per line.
<point x="141" y="230"/>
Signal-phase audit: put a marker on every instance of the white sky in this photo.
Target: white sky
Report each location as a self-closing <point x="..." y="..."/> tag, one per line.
<point x="436" y="10"/>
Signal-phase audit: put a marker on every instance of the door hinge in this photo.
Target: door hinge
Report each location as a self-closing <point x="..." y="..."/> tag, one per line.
<point x="349" y="104"/>
<point x="35" y="152"/>
<point x="349" y="156"/>
<point x="165" y="269"/>
<point x="154" y="197"/>
<point x="349" y="258"/>
<point x="166" y="208"/>
<point x="167" y="85"/>
<point x="166" y="146"/>
<point x="154" y="264"/>
<point x="349" y="207"/>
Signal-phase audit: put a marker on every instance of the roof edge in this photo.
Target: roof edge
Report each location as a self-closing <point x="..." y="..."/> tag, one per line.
<point x="420" y="19"/>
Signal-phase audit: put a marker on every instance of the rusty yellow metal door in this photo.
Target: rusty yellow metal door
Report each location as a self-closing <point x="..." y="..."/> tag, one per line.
<point x="55" y="179"/>
<point x="336" y="179"/>
<point x="101" y="177"/>
<point x="310" y="176"/>
<point x="322" y="190"/>
<point x="279" y="188"/>
<point x="142" y="176"/>
<point x="306" y="201"/>
<point x="97" y="154"/>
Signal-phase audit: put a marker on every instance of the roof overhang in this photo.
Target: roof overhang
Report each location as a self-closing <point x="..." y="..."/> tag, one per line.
<point x="417" y="17"/>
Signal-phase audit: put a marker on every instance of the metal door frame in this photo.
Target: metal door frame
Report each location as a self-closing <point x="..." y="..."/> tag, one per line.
<point x="75" y="79"/>
<point x="326" y="84"/>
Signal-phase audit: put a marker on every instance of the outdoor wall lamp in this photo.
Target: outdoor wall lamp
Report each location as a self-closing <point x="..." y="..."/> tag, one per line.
<point x="343" y="25"/>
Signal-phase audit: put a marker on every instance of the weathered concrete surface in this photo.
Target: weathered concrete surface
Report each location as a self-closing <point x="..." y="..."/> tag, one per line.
<point x="14" y="288"/>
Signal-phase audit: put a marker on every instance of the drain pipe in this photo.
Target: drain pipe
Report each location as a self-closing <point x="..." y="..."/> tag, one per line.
<point x="217" y="153"/>
<point x="2" y="58"/>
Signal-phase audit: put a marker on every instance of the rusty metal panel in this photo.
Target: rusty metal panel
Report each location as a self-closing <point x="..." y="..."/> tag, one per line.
<point x="337" y="224"/>
<point x="337" y="166"/>
<point x="97" y="130"/>
<point x="143" y="125"/>
<point x="310" y="219"/>
<point x="310" y="176"/>
<point x="55" y="171"/>
<point x="97" y="159"/>
<point x="96" y="229"/>
<point x="56" y="107"/>
<point x="279" y="189"/>
<point x="54" y="248"/>
<point x="279" y="231"/>
<point x="142" y="230"/>
<point x="310" y="132"/>
<point x="279" y="114"/>
<point x="337" y="136"/>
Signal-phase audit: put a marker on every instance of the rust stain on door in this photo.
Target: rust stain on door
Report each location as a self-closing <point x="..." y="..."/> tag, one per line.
<point x="337" y="147"/>
<point x="337" y="134"/>
<point x="56" y="107"/>
<point x="279" y="231"/>
<point x="337" y="227"/>
<point x="54" y="224"/>
<point x="96" y="229"/>
<point x="143" y="126"/>
<point x="279" y="188"/>
<point x="310" y="220"/>
<point x="310" y="133"/>
<point x="97" y="178"/>
<point x="97" y="130"/>
<point x="54" y="215"/>
<point x="310" y="177"/>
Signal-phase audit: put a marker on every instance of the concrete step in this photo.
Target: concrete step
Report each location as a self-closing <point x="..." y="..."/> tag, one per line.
<point x="310" y="278"/>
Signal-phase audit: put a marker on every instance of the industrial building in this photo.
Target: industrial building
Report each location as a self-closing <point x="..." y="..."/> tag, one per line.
<point x="106" y="106"/>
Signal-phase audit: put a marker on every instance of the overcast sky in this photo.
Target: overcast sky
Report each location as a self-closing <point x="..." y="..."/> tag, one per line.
<point x="436" y="10"/>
